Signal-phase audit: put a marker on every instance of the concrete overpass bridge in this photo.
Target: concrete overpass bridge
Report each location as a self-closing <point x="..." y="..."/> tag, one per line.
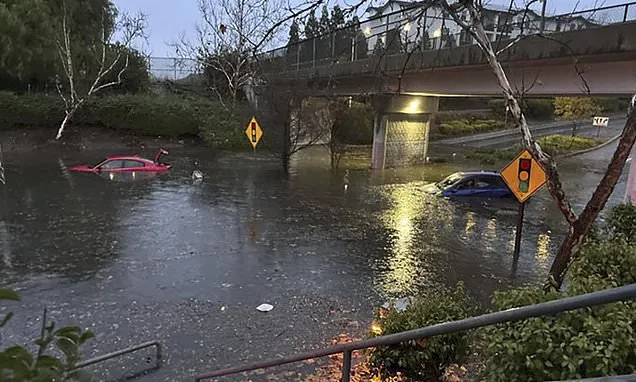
<point x="599" y="59"/>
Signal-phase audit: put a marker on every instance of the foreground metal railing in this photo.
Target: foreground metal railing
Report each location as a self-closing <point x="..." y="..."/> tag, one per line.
<point x="516" y="314"/>
<point x="421" y="27"/>
<point x="119" y="353"/>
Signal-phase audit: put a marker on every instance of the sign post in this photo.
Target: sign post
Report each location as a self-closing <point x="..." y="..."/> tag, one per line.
<point x="524" y="176"/>
<point x="254" y="132"/>
<point x="600" y="122"/>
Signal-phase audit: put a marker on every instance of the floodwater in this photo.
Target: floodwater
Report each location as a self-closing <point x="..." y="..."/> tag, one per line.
<point x="139" y="258"/>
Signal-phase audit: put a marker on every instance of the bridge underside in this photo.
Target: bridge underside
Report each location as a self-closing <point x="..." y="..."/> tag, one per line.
<point x="536" y="79"/>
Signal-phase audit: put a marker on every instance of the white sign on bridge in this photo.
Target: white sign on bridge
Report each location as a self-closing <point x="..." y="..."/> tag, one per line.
<point x="600" y="121"/>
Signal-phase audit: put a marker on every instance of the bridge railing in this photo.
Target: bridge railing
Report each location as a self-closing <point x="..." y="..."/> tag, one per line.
<point x="515" y="314"/>
<point x="419" y="28"/>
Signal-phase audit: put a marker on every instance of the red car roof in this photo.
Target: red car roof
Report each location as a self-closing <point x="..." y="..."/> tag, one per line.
<point x="123" y="157"/>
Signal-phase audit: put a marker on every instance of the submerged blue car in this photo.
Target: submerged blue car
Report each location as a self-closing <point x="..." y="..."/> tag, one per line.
<point x="484" y="184"/>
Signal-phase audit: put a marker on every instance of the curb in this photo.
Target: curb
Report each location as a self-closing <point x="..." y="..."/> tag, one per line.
<point x="606" y="143"/>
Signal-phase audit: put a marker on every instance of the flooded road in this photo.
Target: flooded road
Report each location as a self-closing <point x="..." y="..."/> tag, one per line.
<point x="187" y="262"/>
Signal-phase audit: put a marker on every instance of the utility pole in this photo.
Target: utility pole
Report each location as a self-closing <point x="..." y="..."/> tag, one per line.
<point x="544" y="3"/>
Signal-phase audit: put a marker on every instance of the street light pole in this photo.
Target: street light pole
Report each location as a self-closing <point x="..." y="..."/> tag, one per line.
<point x="545" y="2"/>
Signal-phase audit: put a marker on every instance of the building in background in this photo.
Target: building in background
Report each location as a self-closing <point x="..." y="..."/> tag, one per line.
<point x="403" y="26"/>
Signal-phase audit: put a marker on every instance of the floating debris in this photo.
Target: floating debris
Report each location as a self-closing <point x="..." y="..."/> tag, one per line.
<point x="264" y="307"/>
<point x="197" y="174"/>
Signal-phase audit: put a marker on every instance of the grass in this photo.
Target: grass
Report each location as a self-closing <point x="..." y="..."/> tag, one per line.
<point x="552" y="144"/>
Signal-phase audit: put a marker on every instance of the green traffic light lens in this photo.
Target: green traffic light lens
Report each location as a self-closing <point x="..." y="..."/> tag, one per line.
<point x="523" y="186"/>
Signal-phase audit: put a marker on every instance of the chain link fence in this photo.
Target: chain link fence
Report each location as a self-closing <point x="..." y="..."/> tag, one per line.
<point x="173" y="68"/>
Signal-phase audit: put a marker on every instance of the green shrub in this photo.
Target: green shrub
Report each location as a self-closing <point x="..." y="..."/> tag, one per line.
<point x="539" y="108"/>
<point x="621" y="223"/>
<point x="497" y="107"/>
<point x="552" y="144"/>
<point x="581" y="344"/>
<point x="586" y="343"/>
<point x="225" y="129"/>
<point x="533" y="108"/>
<point x="30" y="111"/>
<point x="143" y="115"/>
<point x="459" y="127"/>
<point x="468" y="103"/>
<point x="424" y="360"/>
<point x="457" y="115"/>
<point x="562" y="144"/>
<point x="613" y="105"/>
<point x="355" y="125"/>
<point x="57" y="352"/>
<point x="491" y="156"/>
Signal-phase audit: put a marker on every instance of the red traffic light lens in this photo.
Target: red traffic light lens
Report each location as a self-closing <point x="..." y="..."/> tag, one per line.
<point x="524" y="164"/>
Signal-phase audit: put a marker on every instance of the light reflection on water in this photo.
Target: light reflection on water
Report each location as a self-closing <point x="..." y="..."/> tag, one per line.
<point x="399" y="220"/>
<point x="543" y="249"/>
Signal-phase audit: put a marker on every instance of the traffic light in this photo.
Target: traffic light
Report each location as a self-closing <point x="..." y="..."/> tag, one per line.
<point x="523" y="174"/>
<point x="253" y="127"/>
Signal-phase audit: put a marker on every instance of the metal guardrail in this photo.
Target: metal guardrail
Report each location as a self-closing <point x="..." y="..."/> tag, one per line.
<point x="515" y="314"/>
<point x="410" y="29"/>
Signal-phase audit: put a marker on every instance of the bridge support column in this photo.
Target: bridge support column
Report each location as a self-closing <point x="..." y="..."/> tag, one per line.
<point x="401" y="129"/>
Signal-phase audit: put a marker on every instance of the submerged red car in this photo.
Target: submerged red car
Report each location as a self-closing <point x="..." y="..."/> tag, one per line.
<point x="126" y="164"/>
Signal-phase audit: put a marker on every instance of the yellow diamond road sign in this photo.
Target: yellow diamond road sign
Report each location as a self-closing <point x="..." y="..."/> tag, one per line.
<point x="524" y="176"/>
<point x="254" y="132"/>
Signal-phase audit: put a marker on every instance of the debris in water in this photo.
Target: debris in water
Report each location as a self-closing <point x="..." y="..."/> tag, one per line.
<point x="197" y="174"/>
<point x="264" y="307"/>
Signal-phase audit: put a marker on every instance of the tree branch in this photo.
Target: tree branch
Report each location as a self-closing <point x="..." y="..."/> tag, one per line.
<point x="132" y="28"/>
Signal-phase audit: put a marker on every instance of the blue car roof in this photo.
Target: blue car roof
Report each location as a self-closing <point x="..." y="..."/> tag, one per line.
<point x="479" y="172"/>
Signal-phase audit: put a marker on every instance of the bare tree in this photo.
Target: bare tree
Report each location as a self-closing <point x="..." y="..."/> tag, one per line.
<point x="75" y="88"/>
<point x="305" y="121"/>
<point x="230" y="33"/>
<point x="310" y="124"/>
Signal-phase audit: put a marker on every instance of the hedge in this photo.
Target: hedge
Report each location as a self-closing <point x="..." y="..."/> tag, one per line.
<point x="534" y="108"/>
<point x="460" y="127"/>
<point x="143" y="115"/>
<point x="543" y="108"/>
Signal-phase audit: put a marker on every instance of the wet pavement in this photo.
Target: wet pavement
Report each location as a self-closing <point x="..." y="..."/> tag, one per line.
<point x="186" y="263"/>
